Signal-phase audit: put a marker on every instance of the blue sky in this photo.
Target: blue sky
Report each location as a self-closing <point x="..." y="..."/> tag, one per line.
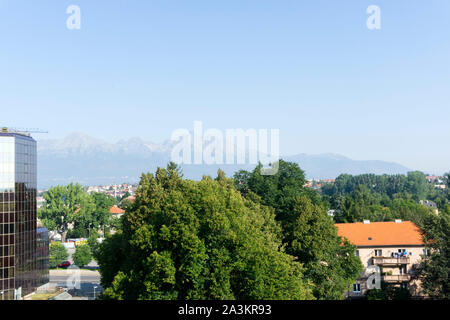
<point x="309" y="68"/>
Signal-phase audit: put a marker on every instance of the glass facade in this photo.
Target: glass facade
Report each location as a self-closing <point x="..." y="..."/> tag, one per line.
<point x="18" y="232"/>
<point x="42" y="256"/>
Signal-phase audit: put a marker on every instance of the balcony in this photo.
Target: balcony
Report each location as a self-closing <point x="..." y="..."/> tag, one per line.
<point x="397" y="278"/>
<point x="389" y="261"/>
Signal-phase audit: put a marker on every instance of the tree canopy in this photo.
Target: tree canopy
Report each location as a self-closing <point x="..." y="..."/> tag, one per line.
<point x="250" y="237"/>
<point x="307" y="231"/>
<point x="71" y="209"/>
<point x="66" y="205"/>
<point x="383" y="197"/>
<point x="58" y="254"/>
<point x="184" y="239"/>
<point x="434" y="271"/>
<point x="82" y="255"/>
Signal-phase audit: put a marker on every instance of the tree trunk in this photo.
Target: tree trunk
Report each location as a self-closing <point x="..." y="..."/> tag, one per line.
<point x="63" y="236"/>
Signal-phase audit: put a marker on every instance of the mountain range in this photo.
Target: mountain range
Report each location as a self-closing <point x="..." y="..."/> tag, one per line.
<point x="90" y="161"/>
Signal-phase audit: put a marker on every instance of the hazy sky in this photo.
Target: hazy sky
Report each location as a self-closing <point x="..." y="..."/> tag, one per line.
<point x="309" y="68"/>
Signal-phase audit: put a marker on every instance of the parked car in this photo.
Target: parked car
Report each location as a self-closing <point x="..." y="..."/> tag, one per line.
<point x="64" y="264"/>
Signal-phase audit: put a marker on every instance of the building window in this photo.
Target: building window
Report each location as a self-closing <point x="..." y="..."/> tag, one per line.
<point x="425" y="252"/>
<point x="357" y="287"/>
<point x="357" y="253"/>
<point x="378" y="253"/>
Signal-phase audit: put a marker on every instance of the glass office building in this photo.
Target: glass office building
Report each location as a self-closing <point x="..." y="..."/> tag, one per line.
<point x="42" y="256"/>
<point x="19" y="275"/>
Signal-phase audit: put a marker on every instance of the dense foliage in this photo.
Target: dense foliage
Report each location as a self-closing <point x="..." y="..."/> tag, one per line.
<point x="251" y="237"/>
<point x="198" y="240"/>
<point x="308" y="232"/>
<point x="93" y="242"/>
<point x="71" y="211"/>
<point x="435" y="270"/>
<point x="383" y="197"/>
<point x="58" y="254"/>
<point x="388" y="292"/>
<point x="82" y="255"/>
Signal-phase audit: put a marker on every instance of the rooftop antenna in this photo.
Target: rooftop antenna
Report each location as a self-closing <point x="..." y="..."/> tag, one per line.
<point x="23" y="131"/>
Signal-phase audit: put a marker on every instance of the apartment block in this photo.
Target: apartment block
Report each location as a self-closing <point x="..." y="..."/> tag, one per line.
<point x="390" y="251"/>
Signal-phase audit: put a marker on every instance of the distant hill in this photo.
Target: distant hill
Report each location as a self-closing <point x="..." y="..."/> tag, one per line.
<point x="323" y="166"/>
<point x="90" y="161"/>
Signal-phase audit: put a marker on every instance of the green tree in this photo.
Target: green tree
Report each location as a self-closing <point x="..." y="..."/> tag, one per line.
<point x="417" y="185"/>
<point x="277" y="191"/>
<point x="93" y="242"/>
<point x="447" y="184"/>
<point x="83" y="255"/>
<point x="101" y="217"/>
<point x="78" y="232"/>
<point x="115" y="223"/>
<point x="241" y="179"/>
<point x="388" y="292"/>
<point x="197" y="240"/>
<point x="307" y="231"/>
<point x="434" y="271"/>
<point x="382" y="197"/>
<point x="66" y="205"/>
<point x="125" y="204"/>
<point x="57" y="254"/>
<point x="447" y="179"/>
<point x="376" y="294"/>
<point x="126" y="195"/>
<point x="329" y="261"/>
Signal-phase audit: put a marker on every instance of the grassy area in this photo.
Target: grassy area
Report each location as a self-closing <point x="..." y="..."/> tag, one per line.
<point x="69" y="269"/>
<point x="44" y="296"/>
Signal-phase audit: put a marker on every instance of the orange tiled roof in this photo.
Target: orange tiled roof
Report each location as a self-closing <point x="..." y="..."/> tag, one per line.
<point x="381" y="233"/>
<point x="116" y="210"/>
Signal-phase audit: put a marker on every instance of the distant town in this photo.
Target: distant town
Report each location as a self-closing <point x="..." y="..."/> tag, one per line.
<point x="118" y="191"/>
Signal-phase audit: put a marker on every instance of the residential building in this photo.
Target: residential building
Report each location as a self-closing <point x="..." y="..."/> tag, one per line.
<point x="431" y="179"/>
<point x="116" y="211"/>
<point x="391" y="250"/>
<point x="131" y="198"/>
<point x="18" y="222"/>
<point x="430" y="205"/>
